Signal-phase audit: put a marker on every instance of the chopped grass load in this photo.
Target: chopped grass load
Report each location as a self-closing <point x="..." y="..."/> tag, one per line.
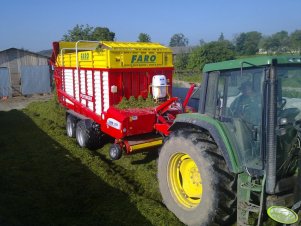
<point x="140" y="102"/>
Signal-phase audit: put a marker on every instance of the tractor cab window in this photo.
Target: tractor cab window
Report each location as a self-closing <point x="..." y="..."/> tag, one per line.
<point x="288" y="118"/>
<point x="240" y="104"/>
<point x="211" y="98"/>
<point x="289" y="93"/>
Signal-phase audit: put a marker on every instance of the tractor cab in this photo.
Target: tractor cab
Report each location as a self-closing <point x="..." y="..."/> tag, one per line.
<point x="258" y="102"/>
<point x="247" y="98"/>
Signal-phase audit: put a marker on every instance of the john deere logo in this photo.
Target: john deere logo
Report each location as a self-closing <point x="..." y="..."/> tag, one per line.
<point x="143" y="59"/>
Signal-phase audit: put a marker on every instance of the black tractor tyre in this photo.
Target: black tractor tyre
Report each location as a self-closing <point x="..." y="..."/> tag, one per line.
<point x="87" y="136"/>
<point x="71" y="125"/>
<point x="115" y="152"/>
<point x="194" y="180"/>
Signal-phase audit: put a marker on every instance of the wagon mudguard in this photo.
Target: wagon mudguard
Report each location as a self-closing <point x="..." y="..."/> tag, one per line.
<point x="216" y="130"/>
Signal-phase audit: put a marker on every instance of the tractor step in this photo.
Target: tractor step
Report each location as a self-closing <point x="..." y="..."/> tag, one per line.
<point x="251" y="185"/>
<point x="246" y="186"/>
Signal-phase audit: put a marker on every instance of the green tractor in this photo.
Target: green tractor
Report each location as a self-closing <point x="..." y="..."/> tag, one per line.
<point x="238" y="158"/>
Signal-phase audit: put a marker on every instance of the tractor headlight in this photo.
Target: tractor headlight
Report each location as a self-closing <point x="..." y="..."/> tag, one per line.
<point x="282" y="214"/>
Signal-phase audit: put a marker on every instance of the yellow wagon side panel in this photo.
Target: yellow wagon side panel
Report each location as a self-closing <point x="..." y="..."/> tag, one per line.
<point x="115" y="55"/>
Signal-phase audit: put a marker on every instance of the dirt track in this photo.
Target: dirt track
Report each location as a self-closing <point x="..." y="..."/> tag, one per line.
<point x="21" y="102"/>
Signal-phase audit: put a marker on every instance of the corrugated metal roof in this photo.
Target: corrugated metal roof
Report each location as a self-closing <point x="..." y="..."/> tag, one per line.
<point x="23" y="50"/>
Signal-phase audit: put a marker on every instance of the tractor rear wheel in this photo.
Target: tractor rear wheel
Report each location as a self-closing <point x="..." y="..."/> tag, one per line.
<point x="194" y="181"/>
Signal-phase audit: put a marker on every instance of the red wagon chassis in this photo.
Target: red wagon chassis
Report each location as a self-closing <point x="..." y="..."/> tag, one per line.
<point x="93" y="93"/>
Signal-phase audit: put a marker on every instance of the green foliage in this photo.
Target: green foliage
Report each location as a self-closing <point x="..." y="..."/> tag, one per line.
<point x="296" y="41"/>
<point x="143" y="37"/>
<point x="181" y="61"/>
<point x="245" y="44"/>
<point x="210" y="53"/>
<point x="195" y="59"/>
<point x="178" y="40"/>
<point x="103" y="34"/>
<point x="276" y="43"/>
<point x="248" y="43"/>
<point x="140" y="102"/>
<point x="202" y="42"/>
<point x="81" y="32"/>
<point x="221" y="38"/>
<point x="291" y="93"/>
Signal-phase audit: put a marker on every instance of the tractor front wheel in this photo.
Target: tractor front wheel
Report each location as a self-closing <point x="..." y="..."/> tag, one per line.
<point x="194" y="181"/>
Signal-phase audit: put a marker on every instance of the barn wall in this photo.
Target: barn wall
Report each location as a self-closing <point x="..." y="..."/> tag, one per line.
<point x="14" y="59"/>
<point x="5" y="87"/>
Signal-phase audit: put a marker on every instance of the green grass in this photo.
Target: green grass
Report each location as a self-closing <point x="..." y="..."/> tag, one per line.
<point x="291" y="93"/>
<point x="188" y="76"/>
<point x="46" y="179"/>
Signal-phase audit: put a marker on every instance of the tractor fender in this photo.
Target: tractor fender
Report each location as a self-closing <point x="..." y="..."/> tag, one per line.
<point x="217" y="134"/>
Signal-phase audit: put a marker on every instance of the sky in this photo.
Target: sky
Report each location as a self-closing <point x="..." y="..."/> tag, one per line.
<point x="34" y="24"/>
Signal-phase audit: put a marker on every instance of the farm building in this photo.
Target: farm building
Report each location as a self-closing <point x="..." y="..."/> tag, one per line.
<point x="23" y="73"/>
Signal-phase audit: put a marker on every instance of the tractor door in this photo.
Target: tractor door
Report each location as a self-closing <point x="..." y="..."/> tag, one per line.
<point x="235" y="99"/>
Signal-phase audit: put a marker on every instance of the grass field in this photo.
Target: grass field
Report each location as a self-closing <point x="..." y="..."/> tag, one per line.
<point x="46" y="179"/>
<point x="188" y="76"/>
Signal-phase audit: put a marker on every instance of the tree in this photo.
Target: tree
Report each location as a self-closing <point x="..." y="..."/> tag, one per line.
<point x="268" y="44"/>
<point x="102" y="34"/>
<point x="178" y="40"/>
<point x="143" y="37"/>
<point x="282" y="38"/>
<point x="221" y="37"/>
<point x="210" y="53"/>
<point x="181" y="61"/>
<point x="247" y="43"/>
<point x="295" y="39"/>
<point x="277" y="43"/>
<point x="81" y="32"/>
<point x="202" y="42"/>
<point x="195" y="57"/>
<point x="240" y="43"/>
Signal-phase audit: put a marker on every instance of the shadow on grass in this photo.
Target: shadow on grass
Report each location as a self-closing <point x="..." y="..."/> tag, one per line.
<point x="151" y="154"/>
<point x="41" y="184"/>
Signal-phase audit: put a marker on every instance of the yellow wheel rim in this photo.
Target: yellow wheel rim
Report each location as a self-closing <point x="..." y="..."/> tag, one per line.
<point x="185" y="180"/>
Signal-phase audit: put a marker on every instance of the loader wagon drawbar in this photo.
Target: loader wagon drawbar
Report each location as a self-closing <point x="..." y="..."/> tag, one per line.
<point x="93" y="77"/>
